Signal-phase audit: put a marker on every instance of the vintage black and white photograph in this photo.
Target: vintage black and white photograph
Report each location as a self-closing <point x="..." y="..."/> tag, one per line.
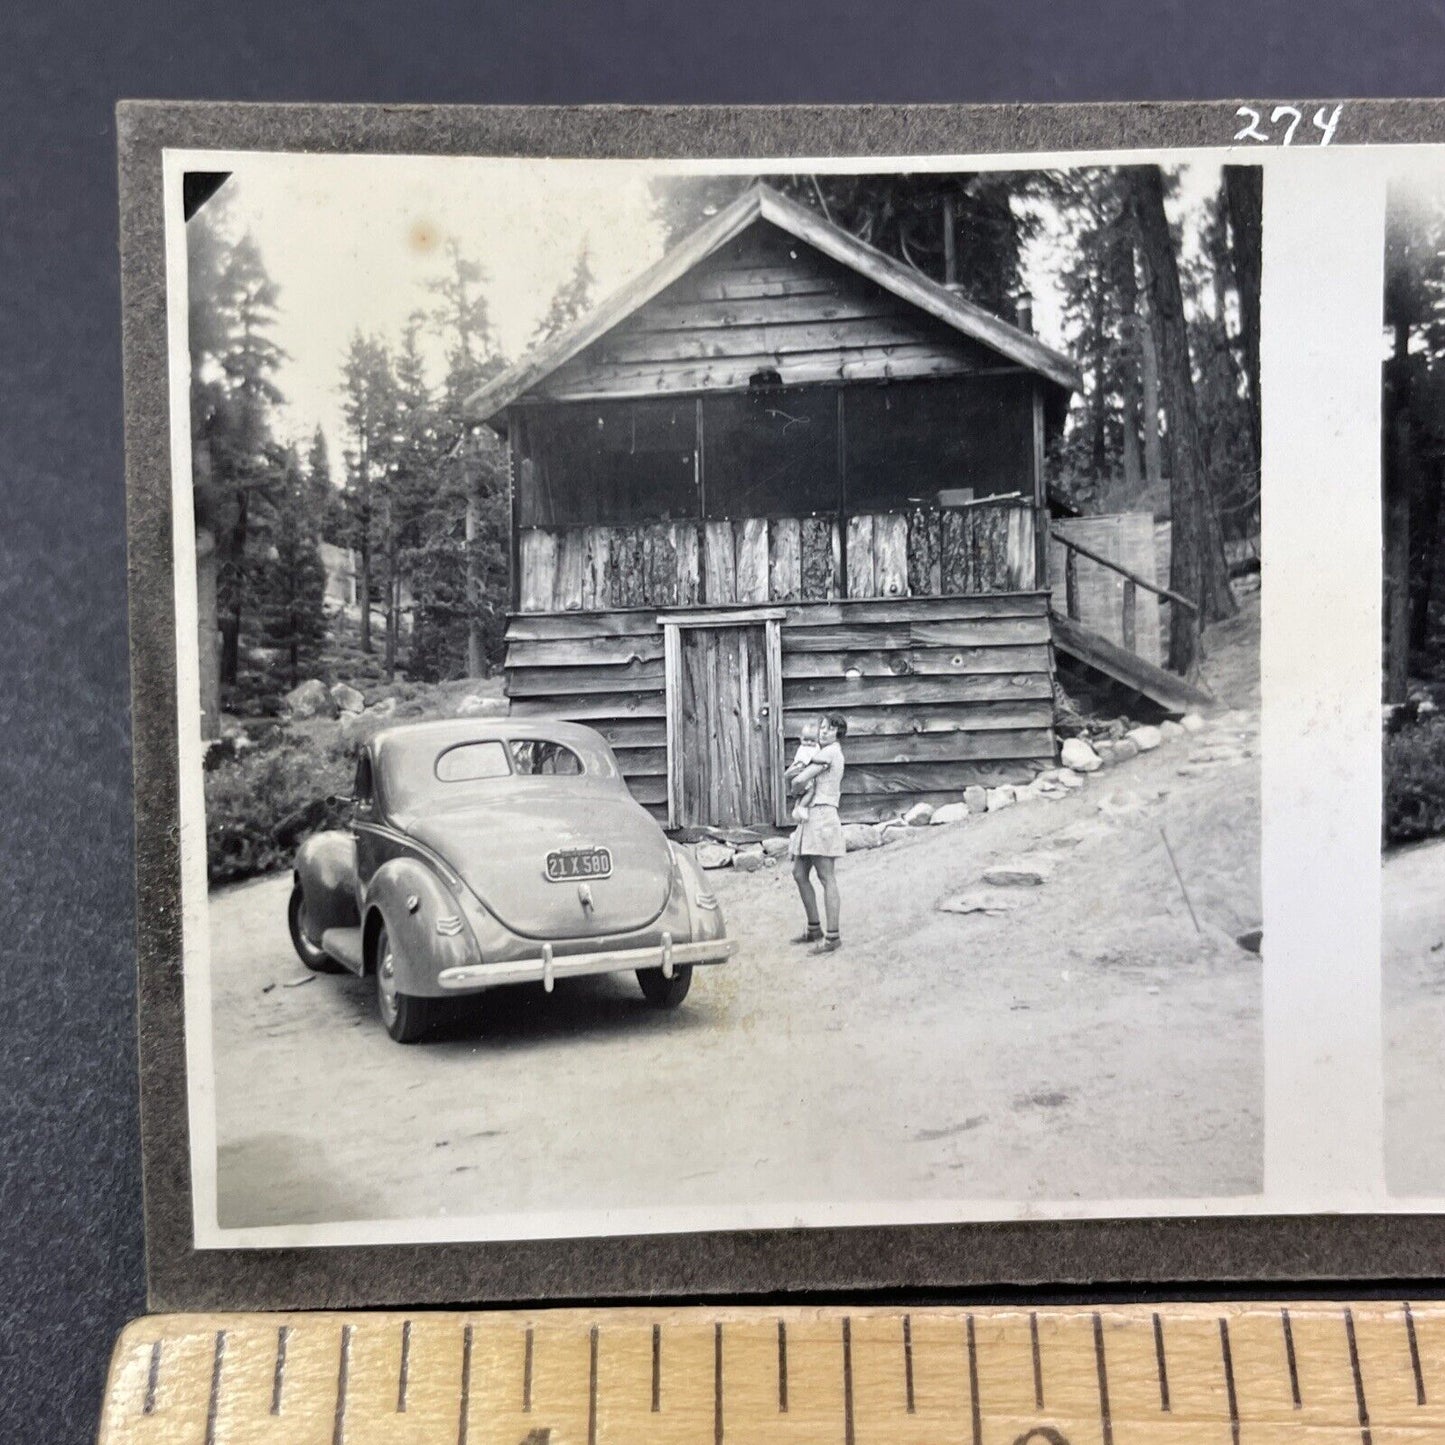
<point x="728" y="697"/>
<point x="1413" y="891"/>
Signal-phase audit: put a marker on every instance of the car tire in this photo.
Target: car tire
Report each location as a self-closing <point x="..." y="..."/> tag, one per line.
<point x="665" y="993"/>
<point x="311" y="954"/>
<point x="407" y="1018"/>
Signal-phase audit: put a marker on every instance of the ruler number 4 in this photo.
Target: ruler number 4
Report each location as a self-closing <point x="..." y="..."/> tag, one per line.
<point x="1325" y="121"/>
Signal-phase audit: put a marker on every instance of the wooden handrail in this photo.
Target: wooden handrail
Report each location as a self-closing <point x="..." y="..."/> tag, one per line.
<point x="1124" y="572"/>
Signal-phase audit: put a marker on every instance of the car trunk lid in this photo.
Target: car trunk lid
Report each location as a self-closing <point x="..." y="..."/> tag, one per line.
<point x="501" y="850"/>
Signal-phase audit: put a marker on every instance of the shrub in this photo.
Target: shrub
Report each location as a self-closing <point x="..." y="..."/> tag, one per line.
<point x="263" y="802"/>
<point x="1415" y="781"/>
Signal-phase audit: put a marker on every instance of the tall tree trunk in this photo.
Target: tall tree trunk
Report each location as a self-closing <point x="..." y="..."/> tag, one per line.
<point x="1149" y="368"/>
<point x="1243" y="198"/>
<point x="1399" y="463"/>
<point x="1126" y="285"/>
<point x="235" y="558"/>
<point x="390" y="646"/>
<point x="1424" y="544"/>
<point x="208" y="633"/>
<point x="476" y="639"/>
<point x="1099" y="453"/>
<point x="1197" y="567"/>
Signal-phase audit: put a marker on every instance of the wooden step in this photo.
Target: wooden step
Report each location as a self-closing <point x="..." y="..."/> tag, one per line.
<point x="1167" y="689"/>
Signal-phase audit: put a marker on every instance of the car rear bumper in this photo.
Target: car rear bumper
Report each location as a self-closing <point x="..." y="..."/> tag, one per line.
<point x="547" y="968"/>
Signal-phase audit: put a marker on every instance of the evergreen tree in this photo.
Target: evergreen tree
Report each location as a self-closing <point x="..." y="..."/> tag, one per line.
<point x="570" y="303"/>
<point x="292" y="580"/>
<point x="322" y="496"/>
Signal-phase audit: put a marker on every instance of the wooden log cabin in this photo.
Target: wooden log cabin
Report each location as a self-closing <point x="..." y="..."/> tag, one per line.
<point x="779" y="474"/>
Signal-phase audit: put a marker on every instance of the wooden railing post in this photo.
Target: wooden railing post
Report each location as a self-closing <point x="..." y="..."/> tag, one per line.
<point x="1130" y="595"/>
<point x="1071" y="583"/>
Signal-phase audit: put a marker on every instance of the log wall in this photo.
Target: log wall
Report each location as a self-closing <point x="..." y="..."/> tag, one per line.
<point x="928" y="552"/>
<point x="939" y="693"/>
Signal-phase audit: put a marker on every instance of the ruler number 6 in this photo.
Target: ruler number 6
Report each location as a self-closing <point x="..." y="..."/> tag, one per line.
<point x="1323" y="121"/>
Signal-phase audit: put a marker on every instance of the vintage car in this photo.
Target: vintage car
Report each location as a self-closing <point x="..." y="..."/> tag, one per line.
<point x="482" y="853"/>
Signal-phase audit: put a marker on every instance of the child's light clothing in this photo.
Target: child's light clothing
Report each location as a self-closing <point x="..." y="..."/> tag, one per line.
<point x="807" y="751"/>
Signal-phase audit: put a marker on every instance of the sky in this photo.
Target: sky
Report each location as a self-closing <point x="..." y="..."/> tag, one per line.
<point x="352" y="241"/>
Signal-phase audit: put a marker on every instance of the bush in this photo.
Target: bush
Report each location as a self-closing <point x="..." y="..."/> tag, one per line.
<point x="260" y="804"/>
<point x="1415" y="781"/>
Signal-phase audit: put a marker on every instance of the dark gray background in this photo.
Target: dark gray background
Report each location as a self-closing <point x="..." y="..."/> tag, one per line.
<point x="70" y="1236"/>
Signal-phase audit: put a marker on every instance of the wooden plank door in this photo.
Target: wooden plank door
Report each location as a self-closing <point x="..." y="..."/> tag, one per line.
<point x="725" y="725"/>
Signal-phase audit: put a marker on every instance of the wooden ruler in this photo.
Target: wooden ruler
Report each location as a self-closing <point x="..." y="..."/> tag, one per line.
<point x="1305" y="1373"/>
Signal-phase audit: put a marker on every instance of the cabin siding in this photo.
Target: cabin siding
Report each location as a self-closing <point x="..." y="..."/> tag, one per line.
<point x="940" y="693"/>
<point x="767" y="301"/>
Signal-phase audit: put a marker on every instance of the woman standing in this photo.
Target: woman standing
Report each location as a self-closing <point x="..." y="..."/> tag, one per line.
<point x="817" y="843"/>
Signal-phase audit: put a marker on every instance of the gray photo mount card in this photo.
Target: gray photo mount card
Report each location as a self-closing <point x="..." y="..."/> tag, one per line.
<point x="780" y="701"/>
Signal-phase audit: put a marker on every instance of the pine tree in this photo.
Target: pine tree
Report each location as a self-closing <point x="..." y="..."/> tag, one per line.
<point x="291" y="589"/>
<point x="570" y="302"/>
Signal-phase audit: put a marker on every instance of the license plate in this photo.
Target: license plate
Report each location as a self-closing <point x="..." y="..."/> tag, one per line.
<point x="569" y="863"/>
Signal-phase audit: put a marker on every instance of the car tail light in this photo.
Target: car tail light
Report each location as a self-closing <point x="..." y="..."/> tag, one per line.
<point x="707" y="900"/>
<point x="449" y="925"/>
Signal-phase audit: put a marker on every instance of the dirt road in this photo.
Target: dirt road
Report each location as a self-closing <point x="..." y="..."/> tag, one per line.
<point x="1089" y="1044"/>
<point x="1413" y="964"/>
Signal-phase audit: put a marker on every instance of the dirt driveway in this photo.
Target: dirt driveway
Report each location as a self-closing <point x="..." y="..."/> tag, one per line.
<point x="1413" y="964"/>
<point x="1088" y="1044"/>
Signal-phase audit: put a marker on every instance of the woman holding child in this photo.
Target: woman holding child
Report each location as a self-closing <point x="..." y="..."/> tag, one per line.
<point x="816" y="773"/>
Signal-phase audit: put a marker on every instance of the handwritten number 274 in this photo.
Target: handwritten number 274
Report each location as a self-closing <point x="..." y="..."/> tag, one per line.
<point x="1323" y="121"/>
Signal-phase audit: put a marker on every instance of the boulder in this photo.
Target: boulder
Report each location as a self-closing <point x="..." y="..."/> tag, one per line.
<point x="1028" y="872"/>
<point x="713" y="855"/>
<point x="347" y="699"/>
<point x="919" y="815"/>
<point x="1002" y="797"/>
<point x="981" y="900"/>
<point x="1027" y="793"/>
<point x="976" y="799"/>
<point x="1079" y="756"/>
<point x="1125" y="749"/>
<point x="860" y="836"/>
<point x="1191" y="722"/>
<point x="749" y="858"/>
<point x="307" y="700"/>
<point x="475" y="705"/>
<point x="774" y="847"/>
<point x="1104" y="747"/>
<point x="739" y="837"/>
<point x="384" y="708"/>
<point x="1068" y="778"/>
<point x="950" y="813"/>
<point x="1146" y="739"/>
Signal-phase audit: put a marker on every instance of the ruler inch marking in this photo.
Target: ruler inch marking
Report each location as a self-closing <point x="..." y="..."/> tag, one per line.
<point x="908" y="1363"/>
<point x="343" y="1381"/>
<point x="153" y="1378"/>
<point x="1290" y="1358"/>
<point x="403" y="1374"/>
<point x="717" y="1383"/>
<point x="1228" y="1358"/>
<point x="464" y="1405"/>
<point x="782" y="1367"/>
<point x="278" y="1374"/>
<point x="848" y="1430"/>
<point x="1038" y="1360"/>
<point x="974" y="1403"/>
<point x="1414" y="1354"/>
<point x="213" y="1401"/>
<point x="592" y="1386"/>
<point x="527" y="1374"/>
<point x="1106" y="1422"/>
<point x="1365" y="1437"/>
<point x="656" y="1368"/>
<point x="1163" y="1367"/>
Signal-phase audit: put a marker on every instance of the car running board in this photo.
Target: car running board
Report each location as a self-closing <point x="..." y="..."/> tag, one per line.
<point x="344" y="945"/>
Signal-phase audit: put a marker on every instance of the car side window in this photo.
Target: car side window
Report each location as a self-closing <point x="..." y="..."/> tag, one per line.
<point x="361" y="789"/>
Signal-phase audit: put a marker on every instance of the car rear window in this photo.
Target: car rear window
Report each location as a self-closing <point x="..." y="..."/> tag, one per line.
<point x="471" y="762"/>
<point x="532" y="757"/>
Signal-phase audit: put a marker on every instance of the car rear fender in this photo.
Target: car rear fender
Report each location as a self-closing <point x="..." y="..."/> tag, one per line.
<point x="326" y="871"/>
<point x="706" y="922"/>
<point x="426" y="926"/>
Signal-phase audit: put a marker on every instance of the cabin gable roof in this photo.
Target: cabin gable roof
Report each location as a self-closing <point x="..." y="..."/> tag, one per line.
<point x="935" y="306"/>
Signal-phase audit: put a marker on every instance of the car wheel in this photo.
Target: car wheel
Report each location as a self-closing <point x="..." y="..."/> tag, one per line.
<point x="311" y="954"/>
<point x="407" y="1018"/>
<point x="663" y="992"/>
